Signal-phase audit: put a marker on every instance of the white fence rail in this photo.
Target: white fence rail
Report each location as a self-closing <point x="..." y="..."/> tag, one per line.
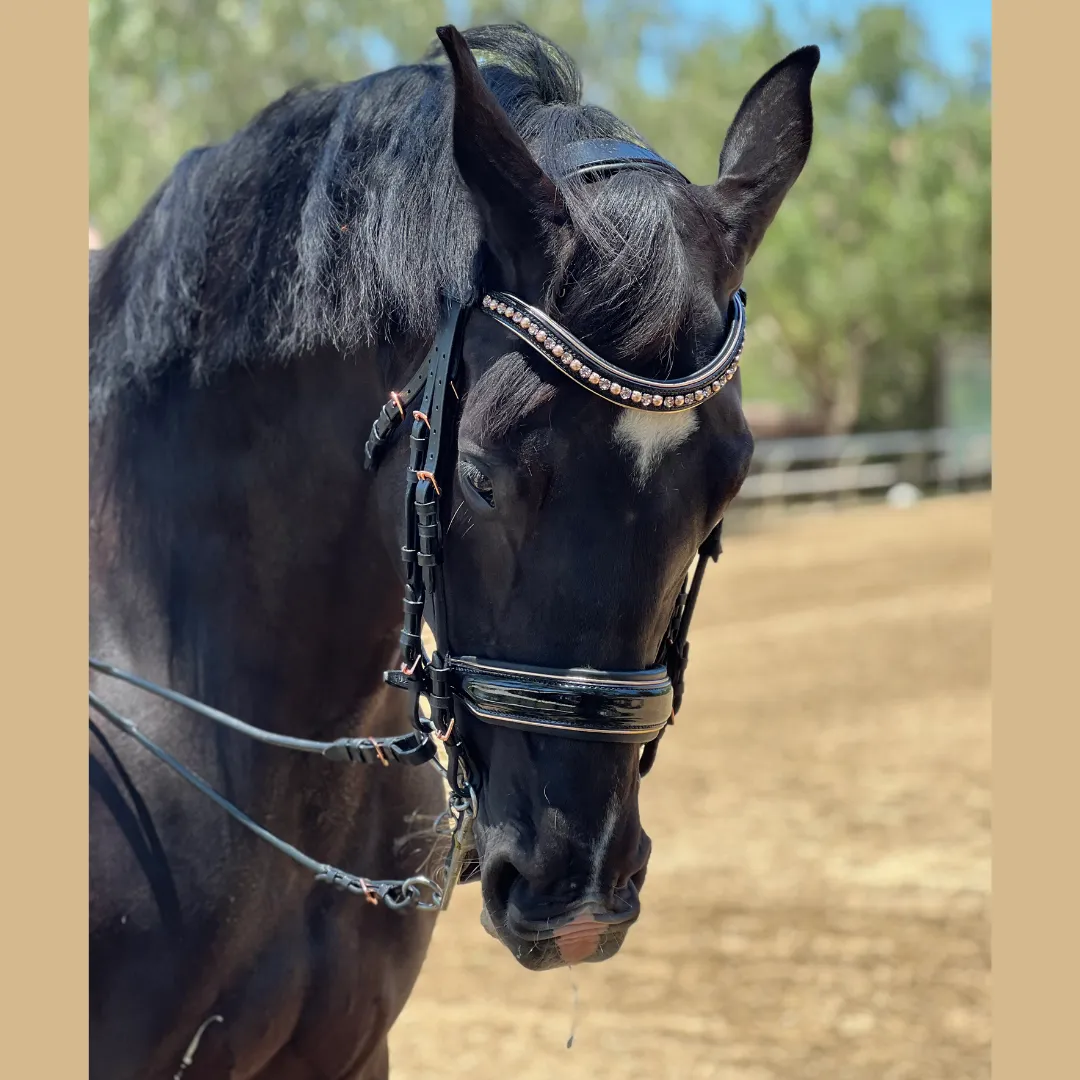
<point x="832" y="466"/>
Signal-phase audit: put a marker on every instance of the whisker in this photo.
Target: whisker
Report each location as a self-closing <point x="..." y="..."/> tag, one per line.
<point x="453" y="516"/>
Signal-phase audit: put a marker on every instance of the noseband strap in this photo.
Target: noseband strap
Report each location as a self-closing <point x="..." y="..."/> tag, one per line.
<point x="578" y="703"/>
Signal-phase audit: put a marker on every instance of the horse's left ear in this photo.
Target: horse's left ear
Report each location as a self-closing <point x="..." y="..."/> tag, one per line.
<point x="765" y="150"/>
<point x="518" y="203"/>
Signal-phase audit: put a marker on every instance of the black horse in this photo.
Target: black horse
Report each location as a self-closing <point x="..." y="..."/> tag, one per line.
<point x="246" y="536"/>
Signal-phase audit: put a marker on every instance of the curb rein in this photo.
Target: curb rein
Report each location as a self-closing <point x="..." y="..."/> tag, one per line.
<point x="582" y="703"/>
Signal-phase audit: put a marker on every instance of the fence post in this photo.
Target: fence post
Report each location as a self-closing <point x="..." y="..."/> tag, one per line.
<point x="852" y="456"/>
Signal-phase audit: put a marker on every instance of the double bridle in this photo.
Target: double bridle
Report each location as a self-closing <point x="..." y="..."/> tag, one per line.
<point x="579" y="703"/>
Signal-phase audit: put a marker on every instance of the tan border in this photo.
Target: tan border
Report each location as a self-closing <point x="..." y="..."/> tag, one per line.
<point x="1036" y="372"/>
<point x="43" y="198"/>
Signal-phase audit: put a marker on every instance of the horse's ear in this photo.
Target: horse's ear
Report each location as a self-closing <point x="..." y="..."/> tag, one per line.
<point x="765" y="150"/>
<point x="518" y="203"/>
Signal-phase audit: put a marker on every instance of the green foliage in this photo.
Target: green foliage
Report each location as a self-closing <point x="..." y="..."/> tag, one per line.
<point x="880" y="255"/>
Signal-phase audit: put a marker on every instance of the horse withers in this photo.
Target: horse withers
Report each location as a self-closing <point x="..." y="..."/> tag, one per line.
<point x="545" y="318"/>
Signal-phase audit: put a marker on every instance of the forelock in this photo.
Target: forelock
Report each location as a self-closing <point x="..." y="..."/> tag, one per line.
<point x="628" y="278"/>
<point x="507" y="391"/>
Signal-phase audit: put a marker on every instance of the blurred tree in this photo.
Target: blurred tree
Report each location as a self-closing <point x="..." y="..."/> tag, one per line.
<point x="881" y="251"/>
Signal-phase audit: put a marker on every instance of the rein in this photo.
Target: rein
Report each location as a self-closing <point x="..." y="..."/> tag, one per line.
<point x="580" y="703"/>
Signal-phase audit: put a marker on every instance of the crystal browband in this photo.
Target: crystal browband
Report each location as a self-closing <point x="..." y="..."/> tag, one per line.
<point x="592" y="371"/>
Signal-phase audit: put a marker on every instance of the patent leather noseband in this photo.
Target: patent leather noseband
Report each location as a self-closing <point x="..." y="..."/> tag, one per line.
<point x="579" y="703"/>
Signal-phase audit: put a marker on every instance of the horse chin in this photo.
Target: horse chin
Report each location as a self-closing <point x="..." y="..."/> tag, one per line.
<point x="582" y="942"/>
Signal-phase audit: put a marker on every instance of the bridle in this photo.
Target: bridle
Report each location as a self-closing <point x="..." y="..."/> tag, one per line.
<point x="579" y="703"/>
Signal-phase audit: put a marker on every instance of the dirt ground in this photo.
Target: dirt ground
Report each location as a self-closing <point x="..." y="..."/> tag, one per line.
<point x="818" y="901"/>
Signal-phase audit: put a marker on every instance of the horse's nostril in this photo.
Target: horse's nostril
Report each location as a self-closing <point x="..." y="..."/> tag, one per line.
<point x="499" y="882"/>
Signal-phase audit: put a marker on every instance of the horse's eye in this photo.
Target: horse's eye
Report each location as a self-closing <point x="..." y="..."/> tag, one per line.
<point x="475" y="479"/>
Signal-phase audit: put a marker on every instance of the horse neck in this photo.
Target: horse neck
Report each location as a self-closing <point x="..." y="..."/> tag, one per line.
<point x="237" y="548"/>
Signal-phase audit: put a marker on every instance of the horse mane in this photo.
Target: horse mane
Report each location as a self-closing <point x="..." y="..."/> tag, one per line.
<point x="337" y="216"/>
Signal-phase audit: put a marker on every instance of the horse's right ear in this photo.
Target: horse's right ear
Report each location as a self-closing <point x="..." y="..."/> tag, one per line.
<point x="518" y="203"/>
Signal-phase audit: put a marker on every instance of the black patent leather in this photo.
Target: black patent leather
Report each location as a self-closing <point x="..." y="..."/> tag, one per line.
<point x="601" y="706"/>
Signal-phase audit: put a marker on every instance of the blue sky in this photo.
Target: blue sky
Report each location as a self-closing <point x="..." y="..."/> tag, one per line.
<point x="950" y="24"/>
